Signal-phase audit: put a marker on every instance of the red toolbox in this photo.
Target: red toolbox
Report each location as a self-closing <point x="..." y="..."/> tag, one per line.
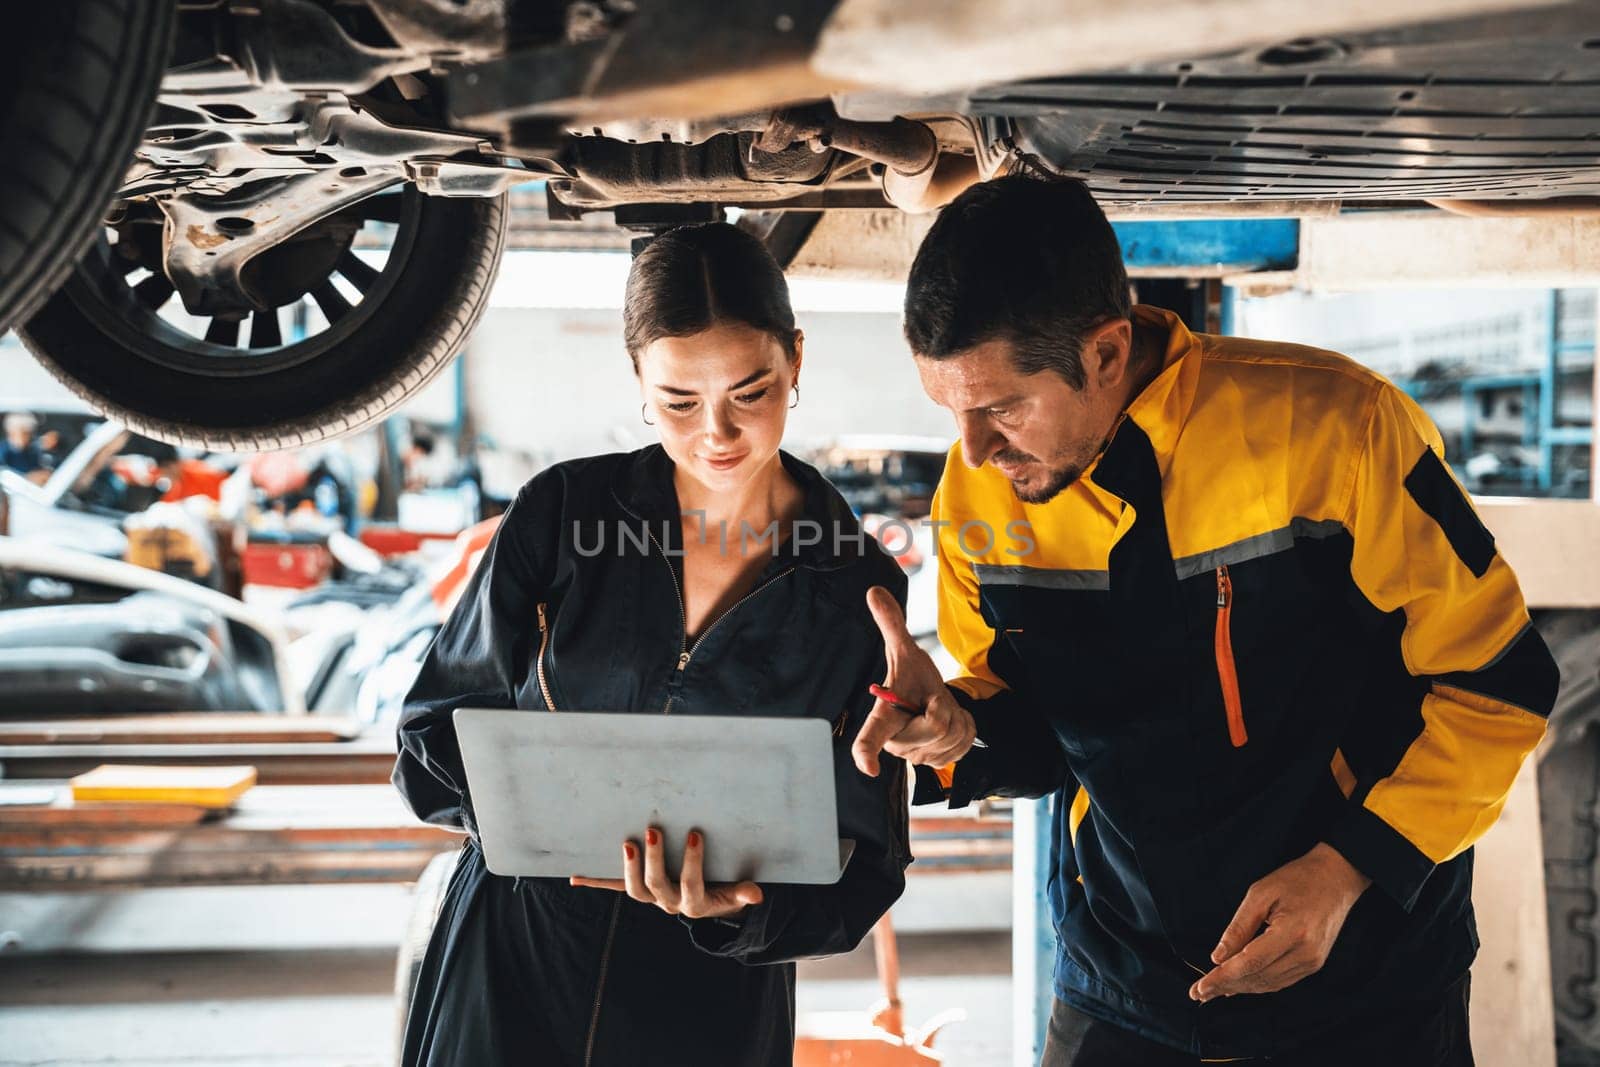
<point x="287" y="564"/>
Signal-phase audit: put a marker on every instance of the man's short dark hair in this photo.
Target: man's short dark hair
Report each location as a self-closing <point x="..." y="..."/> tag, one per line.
<point x="1022" y="259"/>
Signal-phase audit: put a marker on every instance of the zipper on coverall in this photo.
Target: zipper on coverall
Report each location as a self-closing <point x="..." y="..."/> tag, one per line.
<point x="685" y="654"/>
<point x="616" y="905"/>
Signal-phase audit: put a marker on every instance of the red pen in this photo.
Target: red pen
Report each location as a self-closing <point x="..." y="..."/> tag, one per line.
<point x="893" y="699"/>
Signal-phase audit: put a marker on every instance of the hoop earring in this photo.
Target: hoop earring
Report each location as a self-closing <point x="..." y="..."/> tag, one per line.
<point x="646" y="421"/>
<point x="796" y="401"/>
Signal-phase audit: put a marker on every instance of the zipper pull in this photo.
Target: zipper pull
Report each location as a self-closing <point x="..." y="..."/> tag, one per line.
<point x="683" y="661"/>
<point x="1224" y="586"/>
<point x="543" y="624"/>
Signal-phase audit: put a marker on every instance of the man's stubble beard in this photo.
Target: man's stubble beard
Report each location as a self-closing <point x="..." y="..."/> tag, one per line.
<point x="1148" y="357"/>
<point x="1058" y="481"/>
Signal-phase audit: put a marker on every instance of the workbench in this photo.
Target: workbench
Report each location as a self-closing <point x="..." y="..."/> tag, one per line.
<point x="284" y="750"/>
<point x="275" y="835"/>
<point x="324" y="810"/>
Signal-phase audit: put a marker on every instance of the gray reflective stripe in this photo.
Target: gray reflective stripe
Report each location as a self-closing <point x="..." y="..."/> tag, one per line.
<point x="1495" y="697"/>
<point x="1498" y="656"/>
<point x="1267" y="544"/>
<point x="1041" y="577"/>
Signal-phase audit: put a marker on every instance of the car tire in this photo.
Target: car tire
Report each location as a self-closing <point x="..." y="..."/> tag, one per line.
<point x="406" y="332"/>
<point x="1569" y="805"/>
<point x="78" y="81"/>
<point x="426" y="901"/>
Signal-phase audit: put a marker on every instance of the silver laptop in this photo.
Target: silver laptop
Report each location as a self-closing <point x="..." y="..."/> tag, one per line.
<point x="556" y="794"/>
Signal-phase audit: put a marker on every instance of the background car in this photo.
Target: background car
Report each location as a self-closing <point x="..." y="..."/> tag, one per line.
<point x="885" y="474"/>
<point x="85" y="635"/>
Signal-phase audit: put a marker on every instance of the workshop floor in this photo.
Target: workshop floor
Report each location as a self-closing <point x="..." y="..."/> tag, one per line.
<point x="296" y="977"/>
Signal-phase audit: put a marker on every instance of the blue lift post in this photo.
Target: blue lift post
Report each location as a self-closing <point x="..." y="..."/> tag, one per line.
<point x="1551" y="435"/>
<point x="1184" y="248"/>
<point x="458" y="423"/>
<point x="1033" y="931"/>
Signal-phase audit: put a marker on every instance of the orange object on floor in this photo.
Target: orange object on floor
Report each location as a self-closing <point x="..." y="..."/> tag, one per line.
<point x="879" y="1040"/>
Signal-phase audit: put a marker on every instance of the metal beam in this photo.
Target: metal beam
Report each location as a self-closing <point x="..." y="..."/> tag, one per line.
<point x="880" y="245"/>
<point x="1432" y="249"/>
<point x="1356" y="251"/>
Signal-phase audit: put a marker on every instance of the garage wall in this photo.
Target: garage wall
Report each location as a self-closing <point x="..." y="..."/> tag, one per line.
<point x="23" y="379"/>
<point x="557" y="382"/>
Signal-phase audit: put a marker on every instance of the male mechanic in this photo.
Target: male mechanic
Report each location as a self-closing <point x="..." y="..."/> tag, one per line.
<point x="1257" y="638"/>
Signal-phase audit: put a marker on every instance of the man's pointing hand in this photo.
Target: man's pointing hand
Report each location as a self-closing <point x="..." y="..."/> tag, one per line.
<point x="941" y="731"/>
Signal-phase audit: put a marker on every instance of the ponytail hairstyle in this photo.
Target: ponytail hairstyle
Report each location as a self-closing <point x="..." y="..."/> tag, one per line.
<point x="694" y="277"/>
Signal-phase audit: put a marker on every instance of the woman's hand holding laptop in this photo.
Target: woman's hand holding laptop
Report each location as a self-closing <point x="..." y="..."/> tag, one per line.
<point x="646" y="880"/>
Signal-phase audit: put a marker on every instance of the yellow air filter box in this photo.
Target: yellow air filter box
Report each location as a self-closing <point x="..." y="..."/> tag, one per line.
<point x="207" y="787"/>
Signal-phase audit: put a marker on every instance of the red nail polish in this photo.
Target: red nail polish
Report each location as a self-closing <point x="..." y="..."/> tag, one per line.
<point x="694" y="838"/>
<point x="627" y="850"/>
<point x="651" y="837"/>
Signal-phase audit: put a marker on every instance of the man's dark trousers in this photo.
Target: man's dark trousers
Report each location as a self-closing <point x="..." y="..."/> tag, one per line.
<point x="1426" y="1033"/>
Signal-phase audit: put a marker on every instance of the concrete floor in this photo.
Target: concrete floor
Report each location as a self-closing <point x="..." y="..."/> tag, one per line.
<point x="304" y="976"/>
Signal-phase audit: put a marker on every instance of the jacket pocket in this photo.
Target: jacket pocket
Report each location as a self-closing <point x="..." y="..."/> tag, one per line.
<point x="1227" y="671"/>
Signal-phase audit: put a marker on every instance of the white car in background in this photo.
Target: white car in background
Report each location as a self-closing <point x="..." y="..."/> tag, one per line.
<point x="80" y="634"/>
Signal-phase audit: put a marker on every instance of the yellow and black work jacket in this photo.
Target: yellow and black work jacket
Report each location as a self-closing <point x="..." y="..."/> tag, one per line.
<point x="1266" y="617"/>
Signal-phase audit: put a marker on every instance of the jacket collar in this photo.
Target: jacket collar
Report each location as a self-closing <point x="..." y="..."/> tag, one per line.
<point x="644" y="488"/>
<point x="1159" y="411"/>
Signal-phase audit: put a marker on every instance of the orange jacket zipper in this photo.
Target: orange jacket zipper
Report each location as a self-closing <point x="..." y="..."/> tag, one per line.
<point x="1227" y="673"/>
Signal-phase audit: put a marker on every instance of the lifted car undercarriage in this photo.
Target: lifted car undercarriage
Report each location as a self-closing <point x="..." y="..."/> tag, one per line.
<point x="277" y="116"/>
<point x="287" y="137"/>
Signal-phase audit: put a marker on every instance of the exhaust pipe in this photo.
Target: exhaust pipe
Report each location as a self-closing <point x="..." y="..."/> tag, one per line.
<point x="917" y="176"/>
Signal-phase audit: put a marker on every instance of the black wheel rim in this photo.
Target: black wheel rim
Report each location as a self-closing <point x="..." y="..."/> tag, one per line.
<point x="142" y="313"/>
